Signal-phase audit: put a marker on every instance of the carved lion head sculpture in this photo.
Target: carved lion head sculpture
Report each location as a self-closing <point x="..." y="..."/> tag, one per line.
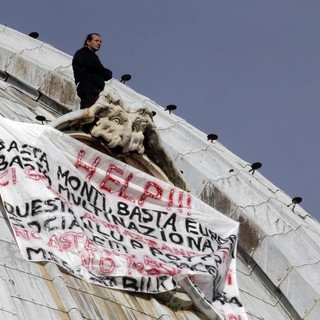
<point x="122" y="131"/>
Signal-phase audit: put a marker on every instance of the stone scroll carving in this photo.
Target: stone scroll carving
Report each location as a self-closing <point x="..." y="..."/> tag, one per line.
<point x="122" y="131"/>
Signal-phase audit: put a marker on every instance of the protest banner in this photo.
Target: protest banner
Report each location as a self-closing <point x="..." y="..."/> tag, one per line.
<point x="113" y="225"/>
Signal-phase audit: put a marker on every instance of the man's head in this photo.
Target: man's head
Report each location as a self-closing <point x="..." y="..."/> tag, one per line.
<point x="93" y="41"/>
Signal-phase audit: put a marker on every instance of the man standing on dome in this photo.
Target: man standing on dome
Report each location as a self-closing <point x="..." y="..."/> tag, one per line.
<point x="89" y="73"/>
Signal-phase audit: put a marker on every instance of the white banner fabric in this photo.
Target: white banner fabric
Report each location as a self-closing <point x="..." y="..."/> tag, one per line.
<point x="113" y="225"/>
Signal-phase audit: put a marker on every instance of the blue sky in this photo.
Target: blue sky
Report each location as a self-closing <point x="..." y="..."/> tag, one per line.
<point x="246" y="70"/>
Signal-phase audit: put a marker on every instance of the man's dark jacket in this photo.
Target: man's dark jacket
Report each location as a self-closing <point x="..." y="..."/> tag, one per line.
<point x="89" y="73"/>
